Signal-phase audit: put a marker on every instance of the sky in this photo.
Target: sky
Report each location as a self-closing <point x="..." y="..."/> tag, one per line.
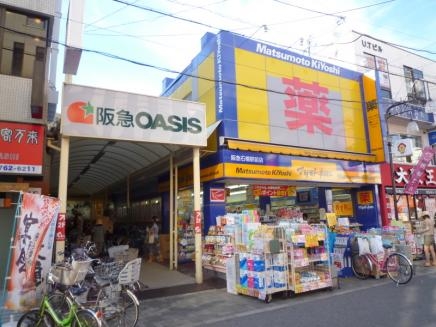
<point x="163" y="36"/>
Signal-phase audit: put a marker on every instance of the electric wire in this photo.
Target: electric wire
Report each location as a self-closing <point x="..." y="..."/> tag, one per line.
<point x="265" y="26"/>
<point x="184" y="73"/>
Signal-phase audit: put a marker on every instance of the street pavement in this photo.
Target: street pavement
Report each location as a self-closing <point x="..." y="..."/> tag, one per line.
<point x="216" y="307"/>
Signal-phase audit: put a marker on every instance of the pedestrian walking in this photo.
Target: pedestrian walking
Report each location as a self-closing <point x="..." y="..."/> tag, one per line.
<point x="428" y="233"/>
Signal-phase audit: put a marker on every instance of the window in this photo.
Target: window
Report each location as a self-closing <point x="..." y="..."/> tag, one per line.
<point x="381" y="66"/>
<point x="386" y="94"/>
<point x="415" y="86"/>
<point x="17" y="58"/>
<point x="23" y="36"/>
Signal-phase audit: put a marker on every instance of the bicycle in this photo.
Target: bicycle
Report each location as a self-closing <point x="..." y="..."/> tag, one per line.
<point x="114" y="302"/>
<point x="48" y="316"/>
<point x="395" y="264"/>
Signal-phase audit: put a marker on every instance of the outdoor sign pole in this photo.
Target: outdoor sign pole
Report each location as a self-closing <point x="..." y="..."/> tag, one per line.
<point x="172" y="213"/>
<point x="197" y="216"/>
<point x="62" y="191"/>
<point x="176" y="210"/>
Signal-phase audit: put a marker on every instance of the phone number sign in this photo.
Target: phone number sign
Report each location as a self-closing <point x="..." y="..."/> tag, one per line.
<point x="21" y="148"/>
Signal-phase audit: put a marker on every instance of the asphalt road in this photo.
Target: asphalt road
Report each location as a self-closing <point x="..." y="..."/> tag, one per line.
<point x="369" y="303"/>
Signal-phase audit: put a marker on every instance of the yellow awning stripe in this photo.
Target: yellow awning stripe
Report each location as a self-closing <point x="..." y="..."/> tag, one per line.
<point x="298" y="151"/>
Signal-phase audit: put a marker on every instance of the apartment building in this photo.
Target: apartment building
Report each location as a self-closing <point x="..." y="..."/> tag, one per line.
<point x="29" y="31"/>
<point x="406" y="87"/>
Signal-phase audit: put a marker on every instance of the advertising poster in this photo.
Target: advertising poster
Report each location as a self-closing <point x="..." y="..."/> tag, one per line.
<point x="21" y="148"/>
<point x="32" y="254"/>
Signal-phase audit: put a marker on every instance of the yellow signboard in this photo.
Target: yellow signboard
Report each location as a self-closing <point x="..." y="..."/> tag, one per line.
<point x="331" y="219"/>
<point x="343" y="208"/>
<point x="373" y="116"/>
<point x="303" y="171"/>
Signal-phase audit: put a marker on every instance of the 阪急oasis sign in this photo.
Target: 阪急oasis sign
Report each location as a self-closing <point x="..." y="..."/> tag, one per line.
<point x="100" y="113"/>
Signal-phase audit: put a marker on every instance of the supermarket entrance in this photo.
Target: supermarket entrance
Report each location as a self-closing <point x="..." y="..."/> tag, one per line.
<point x="108" y="135"/>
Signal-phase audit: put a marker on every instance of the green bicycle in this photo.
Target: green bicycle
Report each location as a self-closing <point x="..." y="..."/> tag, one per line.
<point x="46" y="316"/>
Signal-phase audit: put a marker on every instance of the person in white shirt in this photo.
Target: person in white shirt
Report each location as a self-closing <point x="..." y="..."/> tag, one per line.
<point x="153" y="240"/>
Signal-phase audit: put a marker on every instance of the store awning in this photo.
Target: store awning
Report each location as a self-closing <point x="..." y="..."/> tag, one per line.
<point x="298" y="151"/>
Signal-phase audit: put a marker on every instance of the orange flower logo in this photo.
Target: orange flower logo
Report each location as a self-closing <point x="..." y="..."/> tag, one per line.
<point x="401" y="148"/>
<point x="81" y="112"/>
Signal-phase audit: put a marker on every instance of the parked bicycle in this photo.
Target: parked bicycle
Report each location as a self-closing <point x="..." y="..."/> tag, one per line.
<point x="48" y="316"/>
<point x="106" y="293"/>
<point x="396" y="265"/>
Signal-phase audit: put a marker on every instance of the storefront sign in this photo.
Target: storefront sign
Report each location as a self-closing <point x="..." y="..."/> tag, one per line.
<point x="365" y="198"/>
<point x="402" y="148"/>
<point x="273" y="190"/>
<point x="32" y="254"/>
<point x="403" y="174"/>
<point x="343" y="208"/>
<point x="217" y="195"/>
<point x="419" y="170"/>
<point x="21" y="148"/>
<point x="60" y="227"/>
<point x="301" y="170"/>
<point x="100" y="113"/>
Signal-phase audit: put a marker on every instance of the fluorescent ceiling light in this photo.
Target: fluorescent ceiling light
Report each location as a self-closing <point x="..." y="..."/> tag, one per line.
<point x="238" y="192"/>
<point x="236" y="186"/>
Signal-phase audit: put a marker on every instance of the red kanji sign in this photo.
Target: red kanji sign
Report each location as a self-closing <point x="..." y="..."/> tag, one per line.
<point x="60" y="227"/>
<point x="307" y="106"/>
<point x="197" y="221"/>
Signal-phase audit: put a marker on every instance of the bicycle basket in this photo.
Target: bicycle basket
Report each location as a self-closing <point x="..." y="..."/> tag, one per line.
<point x="70" y="274"/>
<point x="130" y="273"/>
<point x="108" y="270"/>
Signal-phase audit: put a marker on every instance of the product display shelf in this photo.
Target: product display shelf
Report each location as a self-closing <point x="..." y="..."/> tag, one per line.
<point x="216" y="250"/>
<point x="342" y="255"/>
<point x="308" y="258"/>
<point x="263" y="269"/>
<point x="186" y="244"/>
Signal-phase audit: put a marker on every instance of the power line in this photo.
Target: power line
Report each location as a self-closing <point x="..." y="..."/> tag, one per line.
<point x="279" y="1"/>
<point x="166" y="14"/>
<point x="341" y="18"/>
<point x="116" y="57"/>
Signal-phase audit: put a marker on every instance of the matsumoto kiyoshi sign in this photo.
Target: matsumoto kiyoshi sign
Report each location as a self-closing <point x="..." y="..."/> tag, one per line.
<point x="100" y="113"/>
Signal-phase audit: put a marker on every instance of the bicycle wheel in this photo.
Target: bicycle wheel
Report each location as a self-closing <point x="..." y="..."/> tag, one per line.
<point x="399" y="268"/>
<point x="61" y="304"/>
<point x="32" y="318"/>
<point x="361" y="266"/>
<point x="123" y="312"/>
<point x="85" y="318"/>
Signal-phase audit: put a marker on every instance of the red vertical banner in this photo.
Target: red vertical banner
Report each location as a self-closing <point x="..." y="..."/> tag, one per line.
<point x="33" y="250"/>
<point x="60" y="227"/>
<point x="197" y="221"/>
<point x="419" y="170"/>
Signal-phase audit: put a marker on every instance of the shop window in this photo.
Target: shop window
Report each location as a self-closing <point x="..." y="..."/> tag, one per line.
<point x="22" y="39"/>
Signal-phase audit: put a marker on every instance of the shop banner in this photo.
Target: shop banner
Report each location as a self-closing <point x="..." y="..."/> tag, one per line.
<point x="273" y="190"/>
<point x="197" y="221"/>
<point x="419" y="170"/>
<point x="32" y="253"/>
